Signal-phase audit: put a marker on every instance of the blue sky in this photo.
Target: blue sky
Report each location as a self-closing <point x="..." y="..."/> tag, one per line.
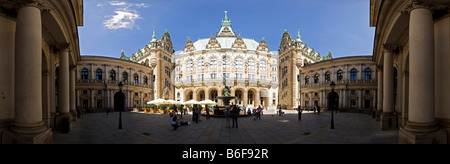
<point x="111" y="26"/>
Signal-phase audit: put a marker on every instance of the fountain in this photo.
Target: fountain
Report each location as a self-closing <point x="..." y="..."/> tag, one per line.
<point x="219" y="111"/>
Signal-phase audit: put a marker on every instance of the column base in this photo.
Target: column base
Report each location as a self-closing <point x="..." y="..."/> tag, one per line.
<point x="74" y="115"/>
<point x="64" y="122"/>
<point x="27" y="134"/>
<point x="378" y="115"/>
<point x="389" y="121"/>
<point x="415" y="133"/>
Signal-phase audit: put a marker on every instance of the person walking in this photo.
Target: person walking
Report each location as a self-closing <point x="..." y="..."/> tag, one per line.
<point x="227" y="117"/>
<point x="234" y="115"/>
<point x="318" y="109"/>
<point x="299" y="113"/>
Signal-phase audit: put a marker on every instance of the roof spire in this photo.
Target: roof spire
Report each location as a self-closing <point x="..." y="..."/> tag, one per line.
<point x="154" y="36"/>
<point x="225" y="21"/>
<point x="298" y="36"/>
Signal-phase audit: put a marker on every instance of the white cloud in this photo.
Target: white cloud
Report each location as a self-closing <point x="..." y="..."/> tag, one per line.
<point x="125" y="15"/>
<point x="122" y="19"/>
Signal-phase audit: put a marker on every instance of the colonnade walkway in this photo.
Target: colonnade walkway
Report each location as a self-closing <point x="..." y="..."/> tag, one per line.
<point x="143" y="128"/>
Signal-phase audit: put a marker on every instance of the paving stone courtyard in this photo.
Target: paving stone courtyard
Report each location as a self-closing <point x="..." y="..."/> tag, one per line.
<point x="144" y="128"/>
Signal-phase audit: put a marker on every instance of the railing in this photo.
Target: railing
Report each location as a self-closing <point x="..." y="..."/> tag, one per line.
<point x="112" y="82"/>
<point x="232" y="82"/>
<point x="338" y="82"/>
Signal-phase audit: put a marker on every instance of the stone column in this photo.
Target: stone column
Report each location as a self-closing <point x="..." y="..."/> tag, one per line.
<point x="73" y="105"/>
<point x="64" y="121"/>
<point x="379" y="94"/>
<point x="28" y="127"/>
<point x="421" y="125"/>
<point x="387" y="118"/>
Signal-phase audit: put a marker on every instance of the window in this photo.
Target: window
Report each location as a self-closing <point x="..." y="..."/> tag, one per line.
<point x="262" y="65"/>
<point x="353" y="74"/>
<point x="99" y="92"/>
<point x="200" y="77"/>
<point x="125" y="77"/>
<point x="85" y="92"/>
<point x="306" y="80"/>
<point x="340" y="75"/>
<point x="367" y="74"/>
<point x="145" y="80"/>
<point x="327" y="76"/>
<point x="85" y="74"/>
<point x="213" y="76"/>
<point x="226" y="62"/>
<point x="99" y="74"/>
<point x="367" y="92"/>
<point x="316" y="78"/>
<point x="213" y="63"/>
<point x="201" y="64"/>
<point x="112" y="75"/>
<point x="136" y="78"/>
<point x="239" y="63"/>
<point x="251" y="64"/>
<point x="353" y="103"/>
<point x="190" y="65"/>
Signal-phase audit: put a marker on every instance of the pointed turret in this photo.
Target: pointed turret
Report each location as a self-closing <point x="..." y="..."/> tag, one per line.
<point x="154" y="36"/>
<point x="226" y="30"/>
<point x="298" y="36"/>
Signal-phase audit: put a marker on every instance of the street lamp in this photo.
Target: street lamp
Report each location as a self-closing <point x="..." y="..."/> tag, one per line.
<point x="121" y="106"/>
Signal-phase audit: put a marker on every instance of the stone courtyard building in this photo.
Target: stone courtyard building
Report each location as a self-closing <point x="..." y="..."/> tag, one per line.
<point x="39" y="52"/>
<point x="97" y="81"/>
<point x="355" y="78"/>
<point x="412" y="53"/>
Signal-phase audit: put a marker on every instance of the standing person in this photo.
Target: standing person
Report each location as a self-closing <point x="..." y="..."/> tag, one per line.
<point x="299" y="113"/>
<point x="234" y="114"/>
<point x="278" y="108"/>
<point x="207" y="112"/>
<point x="258" y="112"/>
<point x="318" y="109"/>
<point x="227" y="117"/>
<point x="181" y="110"/>
<point x="194" y="113"/>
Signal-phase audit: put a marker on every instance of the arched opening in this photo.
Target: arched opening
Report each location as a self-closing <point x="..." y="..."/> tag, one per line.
<point x="239" y="97"/>
<point x="201" y="95"/>
<point x="213" y="95"/>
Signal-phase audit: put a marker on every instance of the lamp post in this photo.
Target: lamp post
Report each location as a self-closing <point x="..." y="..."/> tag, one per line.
<point x="121" y="102"/>
<point x="331" y="99"/>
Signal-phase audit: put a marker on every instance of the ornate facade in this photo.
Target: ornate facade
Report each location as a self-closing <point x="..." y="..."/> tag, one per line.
<point x="355" y="78"/>
<point x="39" y="51"/>
<point x="294" y="54"/>
<point x="158" y="55"/>
<point x="249" y="67"/>
<point x="411" y="49"/>
<point x="97" y="81"/>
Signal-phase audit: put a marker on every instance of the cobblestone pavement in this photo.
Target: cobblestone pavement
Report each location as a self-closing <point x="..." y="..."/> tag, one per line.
<point x="143" y="128"/>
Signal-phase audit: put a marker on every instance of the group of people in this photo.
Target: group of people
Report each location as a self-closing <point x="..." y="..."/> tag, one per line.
<point x="233" y="113"/>
<point x="196" y="110"/>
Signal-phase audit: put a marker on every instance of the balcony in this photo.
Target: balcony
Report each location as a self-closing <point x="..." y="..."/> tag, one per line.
<point x="340" y="82"/>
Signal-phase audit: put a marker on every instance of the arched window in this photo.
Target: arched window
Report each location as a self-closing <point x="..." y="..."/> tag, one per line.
<point x="84" y="74"/>
<point x="262" y="65"/>
<point x="239" y="63"/>
<point x="306" y="80"/>
<point x="201" y="64"/>
<point x="226" y="62"/>
<point x="112" y="75"/>
<point x="368" y="74"/>
<point x="327" y="76"/>
<point x="251" y="64"/>
<point x="316" y="78"/>
<point x="136" y="78"/>
<point x="125" y="77"/>
<point x="145" y="80"/>
<point x="340" y="75"/>
<point x="213" y="63"/>
<point x="99" y="74"/>
<point x="353" y="74"/>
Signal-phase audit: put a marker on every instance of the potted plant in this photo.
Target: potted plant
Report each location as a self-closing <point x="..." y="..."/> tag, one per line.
<point x="162" y="108"/>
<point x="153" y="108"/>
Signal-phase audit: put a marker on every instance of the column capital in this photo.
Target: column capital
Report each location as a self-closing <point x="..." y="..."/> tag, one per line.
<point x="390" y="48"/>
<point x="418" y="4"/>
<point x="32" y="3"/>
